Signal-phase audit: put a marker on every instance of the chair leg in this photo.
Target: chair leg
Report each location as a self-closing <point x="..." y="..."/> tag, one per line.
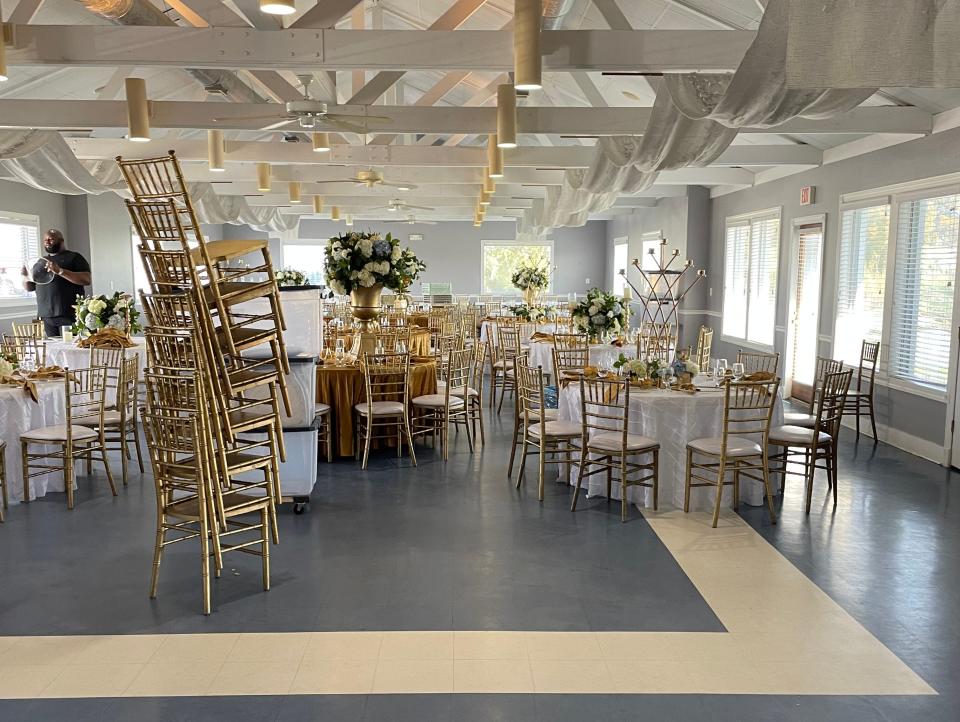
<point x="766" y="488"/>
<point x="265" y="550"/>
<point x="656" y="477"/>
<point x="513" y="447"/>
<point x="873" y="420"/>
<point x="478" y="407"/>
<point x="809" y="469"/>
<point x="413" y="454"/>
<point x="136" y="446"/>
<point x="833" y="469"/>
<point x="106" y="465"/>
<point x="542" y="465"/>
<point x="124" y="456"/>
<point x="736" y="487"/>
<point x="368" y="424"/>
<point x="686" y="485"/>
<point x="858" y="420"/>
<point x="583" y="465"/>
<point x="204" y="566"/>
<point x="721" y="474"/>
<point x="623" y="487"/>
<point x="25" y="466"/>
<point x="157" y="556"/>
<point x="523" y="461"/>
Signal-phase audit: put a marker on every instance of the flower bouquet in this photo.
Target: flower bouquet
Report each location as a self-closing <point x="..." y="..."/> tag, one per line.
<point x="8" y="364"/>
<point x="365" y="260"/>
<point x="530" y="280"/>
<point x="290" y="277"/>
<point x="534" y="314"/>
<point x="684" y="368"/>
<point x="599" y="314"/>
<point x="115" y="314"/>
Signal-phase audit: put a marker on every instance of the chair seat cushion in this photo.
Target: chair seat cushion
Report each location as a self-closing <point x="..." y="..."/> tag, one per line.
<point x="797" y="419"/>
<point x="457" y="391"/>
<point x="611" y="442"/>
<point x="382" y="408"/>
<point x="437" y="401"/>
<point x="735" y="446"/>
<point x="796" y="435"/>
<point x="59" y="433"/>
<point x="109" y="417"/>
<point x="556" y="429"/>
<point x="319" y="409"/>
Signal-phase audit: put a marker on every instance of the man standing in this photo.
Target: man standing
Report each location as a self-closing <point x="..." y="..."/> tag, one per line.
<point x="71" y="272"/>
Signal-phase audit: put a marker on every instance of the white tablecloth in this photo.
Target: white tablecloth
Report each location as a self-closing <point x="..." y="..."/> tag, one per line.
<point x="602" y="355"/>
<point x="69" y="355"/>
<point x="20" y="414"/>
<point x="488" y="331"/>
<point x="673" y="419"/>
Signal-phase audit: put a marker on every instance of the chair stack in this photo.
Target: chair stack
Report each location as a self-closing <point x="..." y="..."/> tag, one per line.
<point x="215" y="371"/>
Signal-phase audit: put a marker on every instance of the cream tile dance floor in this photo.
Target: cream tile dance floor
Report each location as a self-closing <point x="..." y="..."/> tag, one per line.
<point x="785" y="636"/>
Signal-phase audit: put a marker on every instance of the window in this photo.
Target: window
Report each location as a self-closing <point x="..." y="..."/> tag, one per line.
<point x="750" y="277"/>
<point x="650" y="247"/>
<point x="19" y="244"/>
<point x="923" y="289"/>
<point x="307" y="259"/>
<point x="620" y="263"/>
<point x="862" y="272"/>
<point x="140" y="281"/>
<point x="501" y="258"/>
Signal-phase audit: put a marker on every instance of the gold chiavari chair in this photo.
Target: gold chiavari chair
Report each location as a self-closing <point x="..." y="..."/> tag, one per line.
<point x="860" y="399"/>
<point x="701" y="356"/>
<point x="824" y="366"/>
<point x="3" y="480"/>
<point x="111" y="358"/>
<point x="571" y="354"/>
<point x="747" y="410"/>
<point x="606" y="442"/>
<point x="83" y="395"/>
<point x="434" y="413"/>
<point x="754" y="361"/>
<point x="508" y="348"/>
<point x="474" y="392"/>
<point x="518" y="430"/>
<point x="386" y="379"/>
<point x="31" y="329"/>
<point x="546" y="437"/>
<point x="321" y="416"/>
<point x="27" y="350"/>
<point x="120" y="423"/>
<point x="817" y="443"/>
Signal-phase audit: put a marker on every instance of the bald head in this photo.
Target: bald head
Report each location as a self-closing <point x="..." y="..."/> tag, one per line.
<point x="53" y="241"/>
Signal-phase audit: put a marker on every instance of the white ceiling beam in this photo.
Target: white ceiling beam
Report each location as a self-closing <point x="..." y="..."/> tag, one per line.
<point x="585" y="121"/>
<point x="325" y="14"/>
<point x="256" y="17"/>
<point x="589" y="89"/>
<point x="24" y="12"/>
<point x="612" y="14"/>
<point x="310" y="50"/>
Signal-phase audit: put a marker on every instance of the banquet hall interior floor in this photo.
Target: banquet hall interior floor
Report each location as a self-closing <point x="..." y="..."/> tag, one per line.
<point x="419" y="569"/>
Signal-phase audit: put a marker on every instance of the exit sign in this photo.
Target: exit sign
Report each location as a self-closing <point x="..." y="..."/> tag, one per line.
<point x="808" y="195"/>
<point x="416" y="236"/>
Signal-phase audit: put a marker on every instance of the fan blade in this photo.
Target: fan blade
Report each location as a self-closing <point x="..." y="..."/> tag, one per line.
<point x="408" y="186"/>
<point x="419" y="208"/>
<point x="350" y="118"/>
<point x="339" y="180"/>
<point x="248" y="117"/>
<point x="343" y="125"/>
<point x="280" y="124"/>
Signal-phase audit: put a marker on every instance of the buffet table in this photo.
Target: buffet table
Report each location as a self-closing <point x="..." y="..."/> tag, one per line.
<point x="673" y="418"/>
<point x="20" y="414"/>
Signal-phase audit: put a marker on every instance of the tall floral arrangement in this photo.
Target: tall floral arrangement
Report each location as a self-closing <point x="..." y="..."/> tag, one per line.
<point x="115" y="312"/>
<point x="530" y="278"/>
<point x="290" y="277"/>
<point x="363" y="260"/>
<point x="599" y="313"/>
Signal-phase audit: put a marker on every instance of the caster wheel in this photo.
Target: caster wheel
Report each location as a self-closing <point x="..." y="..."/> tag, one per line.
<point x="299" y="507"/>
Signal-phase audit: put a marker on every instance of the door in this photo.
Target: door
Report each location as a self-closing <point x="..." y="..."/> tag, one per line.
<point x="805" y="306"/>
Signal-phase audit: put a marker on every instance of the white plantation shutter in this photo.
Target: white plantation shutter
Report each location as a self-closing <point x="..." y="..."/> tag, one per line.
<point x="750" y="277"/>
<point x="862" y="271"/>
<point x="19" y="243"/>
<point x="922" y="314"/>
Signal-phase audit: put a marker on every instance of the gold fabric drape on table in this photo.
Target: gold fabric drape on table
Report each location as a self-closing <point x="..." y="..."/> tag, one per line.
<point x="342" y="387"/>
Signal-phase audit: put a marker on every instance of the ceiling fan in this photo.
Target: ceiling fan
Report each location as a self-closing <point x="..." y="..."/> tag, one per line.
<point x="310" y="113"/>
<point x="397" y="205"/>
<point x="412" y="220"/>
<point x="371" y="178"/>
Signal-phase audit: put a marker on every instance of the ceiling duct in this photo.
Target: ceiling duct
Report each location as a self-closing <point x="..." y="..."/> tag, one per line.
<point x="142" y="12"/>
<point x="555" y="12"/>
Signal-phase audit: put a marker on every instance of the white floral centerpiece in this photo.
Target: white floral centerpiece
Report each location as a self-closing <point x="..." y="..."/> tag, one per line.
<point x="530" y="280"/>
<point x="290" y="277"/>
<point x="114" y="313"/>
<point x="8" y="364"/>
<point x="599" y="314"/>
<point x="534" y="314"/>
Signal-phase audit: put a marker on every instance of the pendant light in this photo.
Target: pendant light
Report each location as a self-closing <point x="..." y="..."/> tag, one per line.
<point x="138" y="110"/>
<point x="263" y="177"/>
<point x="293" y="191"/>
<point x="3" y="56"/>
<point x="321" y="142"/>
<point x="494" y="157"/>
<point x="277" y="7"/>
<point x="215" y="151"/>
<point x="334" y="213"/>
<point x="527" y="62"/>
<point x="349" y="220"/>
<point x="484" y="198"/>
<point x="489" y="185"/>
<point x="318" y="204"/>
<point x="506" y="116"/>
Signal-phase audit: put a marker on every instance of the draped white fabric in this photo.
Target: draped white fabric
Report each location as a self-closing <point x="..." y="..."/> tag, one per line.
<point x="695" y="118"/>
<point x="851" y="43"/>
<point x="42" y="159"/>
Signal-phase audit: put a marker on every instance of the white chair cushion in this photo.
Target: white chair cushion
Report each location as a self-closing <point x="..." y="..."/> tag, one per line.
<point x="109" y="417"/>
<point x="502" y="364"/>
<point x="611" y="442"/>
<point x="796" y="419"/>
<point x="320" y="409"/>
<point x="557" y="429"/>
<point x="382" y="408"/>
<point x="458" y="391"/>
<point x="735" y="446"/>
<point x="59" y="433"/>
<point x="437" y="401"/>
<point x="795" y="435"/>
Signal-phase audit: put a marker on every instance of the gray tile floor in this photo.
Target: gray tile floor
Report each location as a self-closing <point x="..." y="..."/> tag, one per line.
<point x="453" y="546"/>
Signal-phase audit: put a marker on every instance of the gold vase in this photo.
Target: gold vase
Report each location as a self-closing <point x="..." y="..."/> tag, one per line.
<point x="365" y="304"/>
<point x="530" y="296"/>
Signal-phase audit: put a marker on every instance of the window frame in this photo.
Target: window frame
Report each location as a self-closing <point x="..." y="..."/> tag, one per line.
<point x="484" y="244"/>
<point x="774" y="211"/>
<point x="620" y="242"/>
<point x="14" y="307"/>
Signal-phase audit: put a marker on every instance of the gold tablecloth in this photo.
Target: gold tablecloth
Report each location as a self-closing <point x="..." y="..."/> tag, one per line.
<point x="342" y="387"/>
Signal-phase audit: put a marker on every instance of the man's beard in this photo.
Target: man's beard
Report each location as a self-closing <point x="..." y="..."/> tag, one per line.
<point x="56" y="248"/>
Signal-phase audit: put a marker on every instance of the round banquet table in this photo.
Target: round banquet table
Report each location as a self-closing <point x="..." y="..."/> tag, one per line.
<point x="69" y="355"/>
<point x="419" y="341"/>
<point x="673" y="418"/>
<point x="602" y="355"/>
<point x="342" y="387"/>
<point x="488" y="331"/>
<point x="19" y="414"/>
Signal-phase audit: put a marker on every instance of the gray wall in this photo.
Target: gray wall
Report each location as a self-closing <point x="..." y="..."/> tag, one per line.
<point x="923" y="158"/>
<point x="451" y="250"/>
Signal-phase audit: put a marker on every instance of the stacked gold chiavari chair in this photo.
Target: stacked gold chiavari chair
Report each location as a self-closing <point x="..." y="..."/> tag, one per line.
<point x="747" y="410"/>
<point x="191" y="500"/>
<point x="120" y="423"/>
<point x="754" y="361"/>
<point x="503" y="374"/>
<point x="860" y="399"/>
<point x="571" y="354"/>
<point x="817" y="443"/>
<point x="823" y="367"/>
<point x="701" y="356"/>
<point x="541" y="434"/>
<point x="80" y="437"/>
<point x="3" y="480"/>
<point x="386" y="379"/>
<point x="31" y="329"/>
<point x="606" y="444"/>
<point x="434" y="413"/>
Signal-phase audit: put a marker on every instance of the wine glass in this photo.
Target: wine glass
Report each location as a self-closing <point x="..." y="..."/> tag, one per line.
<point x="738" y="371"/>
<point x="721" y="367"/>
<point x="339" y="351"/>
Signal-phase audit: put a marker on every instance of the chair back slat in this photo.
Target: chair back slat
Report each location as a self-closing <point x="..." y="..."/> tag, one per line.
<point x="605" y="406"/>
<point x="754" y="361"/>
<point x="833" y="397"/>
<point x="748" y="409"/>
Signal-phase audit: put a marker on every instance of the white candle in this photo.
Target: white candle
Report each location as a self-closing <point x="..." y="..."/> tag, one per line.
<point x="627" y="293"/>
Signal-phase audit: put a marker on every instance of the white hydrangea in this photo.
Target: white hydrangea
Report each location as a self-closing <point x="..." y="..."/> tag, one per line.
<point x="117" y="321"/>
<point x="396" y="253"/>
<point x="95" y="305"/>
<point x="367" y="279"/>
<point x="365" y="246"/>
<point x="6" y="368"/>
<point x="338" y="288"/>
<point x="593" y="310"/>
<point x="92" y="322"/>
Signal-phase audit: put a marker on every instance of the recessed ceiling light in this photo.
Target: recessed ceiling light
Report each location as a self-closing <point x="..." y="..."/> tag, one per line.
<point x="277" y="7"/>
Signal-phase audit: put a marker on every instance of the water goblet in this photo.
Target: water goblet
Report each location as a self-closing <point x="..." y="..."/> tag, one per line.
<point x="721" y="367"/>
<point x="738" y="371"/>
<point x="339" y="351"/>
